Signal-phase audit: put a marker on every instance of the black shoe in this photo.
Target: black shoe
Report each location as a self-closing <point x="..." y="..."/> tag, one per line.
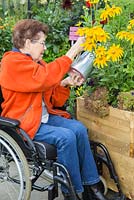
<point x="66" y="196"/>
<point x="97" y="192"/>
<point x="87" y="194"/>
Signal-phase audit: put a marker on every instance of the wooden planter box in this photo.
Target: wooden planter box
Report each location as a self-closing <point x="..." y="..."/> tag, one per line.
<point x="116" y="132"/>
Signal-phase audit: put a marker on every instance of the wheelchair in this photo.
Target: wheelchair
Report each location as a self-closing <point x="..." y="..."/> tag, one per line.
<point x="23" y="161"/>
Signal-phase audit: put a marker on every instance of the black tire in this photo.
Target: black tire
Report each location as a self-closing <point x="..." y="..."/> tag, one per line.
<point x="15" y="180"/>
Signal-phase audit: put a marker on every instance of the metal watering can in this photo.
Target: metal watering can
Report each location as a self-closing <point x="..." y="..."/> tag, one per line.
<point x="83" y="64"/>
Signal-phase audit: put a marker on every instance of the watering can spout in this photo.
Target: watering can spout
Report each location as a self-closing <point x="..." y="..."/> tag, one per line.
<point x="83" y="64"/>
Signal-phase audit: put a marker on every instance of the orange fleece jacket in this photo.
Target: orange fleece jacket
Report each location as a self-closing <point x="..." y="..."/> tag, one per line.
<point x="24" y="83"/>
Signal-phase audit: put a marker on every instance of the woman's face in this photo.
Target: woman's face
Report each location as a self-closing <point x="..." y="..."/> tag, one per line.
<point x="36" y="47"/>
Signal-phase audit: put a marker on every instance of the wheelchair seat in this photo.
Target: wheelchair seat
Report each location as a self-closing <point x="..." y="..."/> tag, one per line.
<point x="45" y="150"/>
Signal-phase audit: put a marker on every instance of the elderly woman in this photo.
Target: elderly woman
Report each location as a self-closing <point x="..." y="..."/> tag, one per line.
<point x="33" y="89"/>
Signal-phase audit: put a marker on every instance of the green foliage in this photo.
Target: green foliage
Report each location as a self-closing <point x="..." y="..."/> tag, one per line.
<point x="74" y="93"/>
<point x="126" y="100"/>
<point x="118" y="76"/>
<point x="13" y="8"/>
<point x="5" y="34"/>
<point x="71" y="103"/>
<point x="59" y="20"/>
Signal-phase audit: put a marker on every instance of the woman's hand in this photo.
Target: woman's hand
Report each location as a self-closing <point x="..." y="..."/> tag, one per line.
<point x="74" y="79"/>
<point x="76" y="48"/>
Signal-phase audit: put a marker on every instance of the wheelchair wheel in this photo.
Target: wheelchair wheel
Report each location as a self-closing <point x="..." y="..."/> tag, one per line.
<point x="15" y="180"/>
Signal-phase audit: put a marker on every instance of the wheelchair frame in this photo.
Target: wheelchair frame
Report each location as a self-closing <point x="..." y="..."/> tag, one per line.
<point x="15" y="145"/>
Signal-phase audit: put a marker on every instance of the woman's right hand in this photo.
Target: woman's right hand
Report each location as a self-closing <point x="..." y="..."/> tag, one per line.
<point x="76" y="48"/>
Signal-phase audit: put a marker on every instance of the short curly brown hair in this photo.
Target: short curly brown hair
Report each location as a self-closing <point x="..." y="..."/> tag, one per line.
<point x="27" y="29"/>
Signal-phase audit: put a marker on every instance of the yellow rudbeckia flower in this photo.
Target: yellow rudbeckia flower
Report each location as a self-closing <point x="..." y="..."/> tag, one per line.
<point x="122" y="35"/>
<point x="101" y="50"/>
<point x="89" y="46"/>
<point x="104" y="15"/>
<point x="102" y="37"/>
<point x="110" y="12"/>
<point x="131" y="38"/>
<point x="116" y="10"/>
<point x="131" y="22"/>
<point x="81" y="31"/>
<point x="92" y="1"/>
<point x="101" y="61"/>
<point x="115" y="52"/>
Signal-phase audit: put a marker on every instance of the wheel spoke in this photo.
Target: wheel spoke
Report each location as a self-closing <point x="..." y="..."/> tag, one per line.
<point x="14" y="170"/>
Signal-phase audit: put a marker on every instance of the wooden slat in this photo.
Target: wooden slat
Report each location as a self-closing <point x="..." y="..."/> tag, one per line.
<point x="114" y="120"/>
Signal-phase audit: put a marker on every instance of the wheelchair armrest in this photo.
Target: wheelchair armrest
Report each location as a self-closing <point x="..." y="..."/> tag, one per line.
<point x="5" y="121"/>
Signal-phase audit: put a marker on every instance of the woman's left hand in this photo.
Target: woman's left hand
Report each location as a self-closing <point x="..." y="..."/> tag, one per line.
<point x="74" y="79"/>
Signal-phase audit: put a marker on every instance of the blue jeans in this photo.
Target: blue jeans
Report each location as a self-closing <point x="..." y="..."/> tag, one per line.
<point x="73" y="149"/>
